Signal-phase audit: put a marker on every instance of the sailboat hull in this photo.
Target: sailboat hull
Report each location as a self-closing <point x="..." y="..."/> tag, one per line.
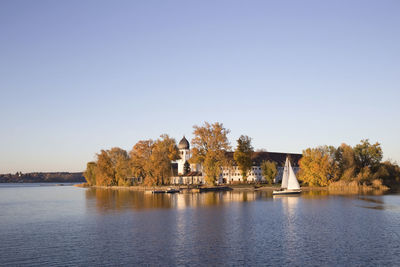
<point x="287" y="192"/>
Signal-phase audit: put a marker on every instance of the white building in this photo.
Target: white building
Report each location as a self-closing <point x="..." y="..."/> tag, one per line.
<point x="194" y="175"/>
<point x="230" y="174"/>
<point x="184" y="152"/>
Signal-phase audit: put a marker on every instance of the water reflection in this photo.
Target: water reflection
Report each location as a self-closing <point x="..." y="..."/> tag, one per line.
<point x="324" y="192"/>
<point x="372" y="200"/>
<point x="376" y="203"/>
<point x="357" y="191"/>
<point x="62" y="226"/>
<point x="289" y="204"/>
<point x="290" y="240"/>
<point x="120" y="200"/>
<point x="315" y="193"/>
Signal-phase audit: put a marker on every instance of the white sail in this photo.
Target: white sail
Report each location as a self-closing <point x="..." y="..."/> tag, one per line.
<point x="292" y="181"/>
<point x="285" y="176"/>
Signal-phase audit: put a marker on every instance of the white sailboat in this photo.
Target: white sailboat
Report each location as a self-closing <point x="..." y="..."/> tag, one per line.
<point x="290" y="185"/>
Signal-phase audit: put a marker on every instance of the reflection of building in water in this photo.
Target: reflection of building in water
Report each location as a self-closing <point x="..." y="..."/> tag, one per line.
<point x="194" y="174"/>
<point x="240" y="196"/>
<point x="182" y="201"/>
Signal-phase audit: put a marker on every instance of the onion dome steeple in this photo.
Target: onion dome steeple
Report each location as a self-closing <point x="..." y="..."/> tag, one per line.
<point x="183" y="144"/>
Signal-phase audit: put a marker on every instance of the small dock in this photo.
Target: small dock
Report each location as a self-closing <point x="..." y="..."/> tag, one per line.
<point x="214" y="189"/>
<point x="199" y="189"/>
<point x="190" y="190"/>
<point x="159" y="191"/>
<point x="163" y="191"/>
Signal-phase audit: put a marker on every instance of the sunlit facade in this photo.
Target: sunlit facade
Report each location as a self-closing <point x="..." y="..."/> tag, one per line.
<point x="231" y="174"/>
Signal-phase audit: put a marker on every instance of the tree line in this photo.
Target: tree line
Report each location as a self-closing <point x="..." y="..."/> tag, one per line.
<point x="151" y="160"/>
<point x="362" y="163"/>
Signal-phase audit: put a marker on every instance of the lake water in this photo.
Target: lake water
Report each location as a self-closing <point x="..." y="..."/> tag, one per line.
<point x="64" y="225"/>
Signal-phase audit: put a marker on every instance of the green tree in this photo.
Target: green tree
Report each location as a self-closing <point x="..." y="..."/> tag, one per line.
<point x="269" y="171"/>
<point x="389" y="173"/>
<point x="209" y="147"/>
<point x="242" y="155"/>
<point x="368" y="155"/>
<point x="186" y="168"/>
<point x="90" y="174"/>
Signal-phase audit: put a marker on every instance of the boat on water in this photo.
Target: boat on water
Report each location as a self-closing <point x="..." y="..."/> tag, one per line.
<point x="290" y="184"/>
<point x="172" y="191"/>
<point x="158" y="191"/>
<point x="161" y="191"/>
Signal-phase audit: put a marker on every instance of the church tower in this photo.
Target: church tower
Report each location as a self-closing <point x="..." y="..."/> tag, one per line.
<point x="184" y="152"/>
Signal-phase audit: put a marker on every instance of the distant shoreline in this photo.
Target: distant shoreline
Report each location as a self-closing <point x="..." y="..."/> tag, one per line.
<point x="43" y="177"/>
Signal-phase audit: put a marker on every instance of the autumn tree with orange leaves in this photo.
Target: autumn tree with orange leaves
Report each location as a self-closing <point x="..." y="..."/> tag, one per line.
<point x="111" y="168"/>
<point x="361" y="163"/>
<point x="209" y="147"/>
<point x="317" y="167"/>
<point x="151" y="160"/>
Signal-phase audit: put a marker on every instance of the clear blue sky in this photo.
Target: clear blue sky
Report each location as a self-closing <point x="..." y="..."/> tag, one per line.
<point x="80" y="76"/>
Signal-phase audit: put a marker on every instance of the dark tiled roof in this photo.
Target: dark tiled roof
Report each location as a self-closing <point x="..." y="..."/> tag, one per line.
<point x="193" y="174"/>
<point x="277" y="157"/>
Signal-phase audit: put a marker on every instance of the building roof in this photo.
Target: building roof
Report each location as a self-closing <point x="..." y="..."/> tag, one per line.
<point x="277" y="157"/>
<point x="193" y="174"/>
<point x="184" y="143"/>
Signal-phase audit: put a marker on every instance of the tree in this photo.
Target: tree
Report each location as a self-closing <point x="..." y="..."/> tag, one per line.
<point x="140" y="158"/>
<point x="105" y="174"/>
<point x="209" y="147"/>
<point x="368" y="155"/>
<point x="186" y="168"/>
<point x="164" y="151"/>
<point x="90" y="174"/>
<point x="389" y="173"/>
<point x="151" y="160"/>
<point x="242" y="155"/>
<point x="121" y="164"/>
<point x="316" y="167"/>
<point x="112" y="167"/>
<point x="269" y="171"/>
<point x="346" y="162"/>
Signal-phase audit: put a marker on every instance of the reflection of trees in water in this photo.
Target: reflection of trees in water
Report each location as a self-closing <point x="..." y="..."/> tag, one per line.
<point x="120" y="200"/>
<point x="314" y="193"/>
<point x="357" y="191"/>
<point x="349" y="192"/>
